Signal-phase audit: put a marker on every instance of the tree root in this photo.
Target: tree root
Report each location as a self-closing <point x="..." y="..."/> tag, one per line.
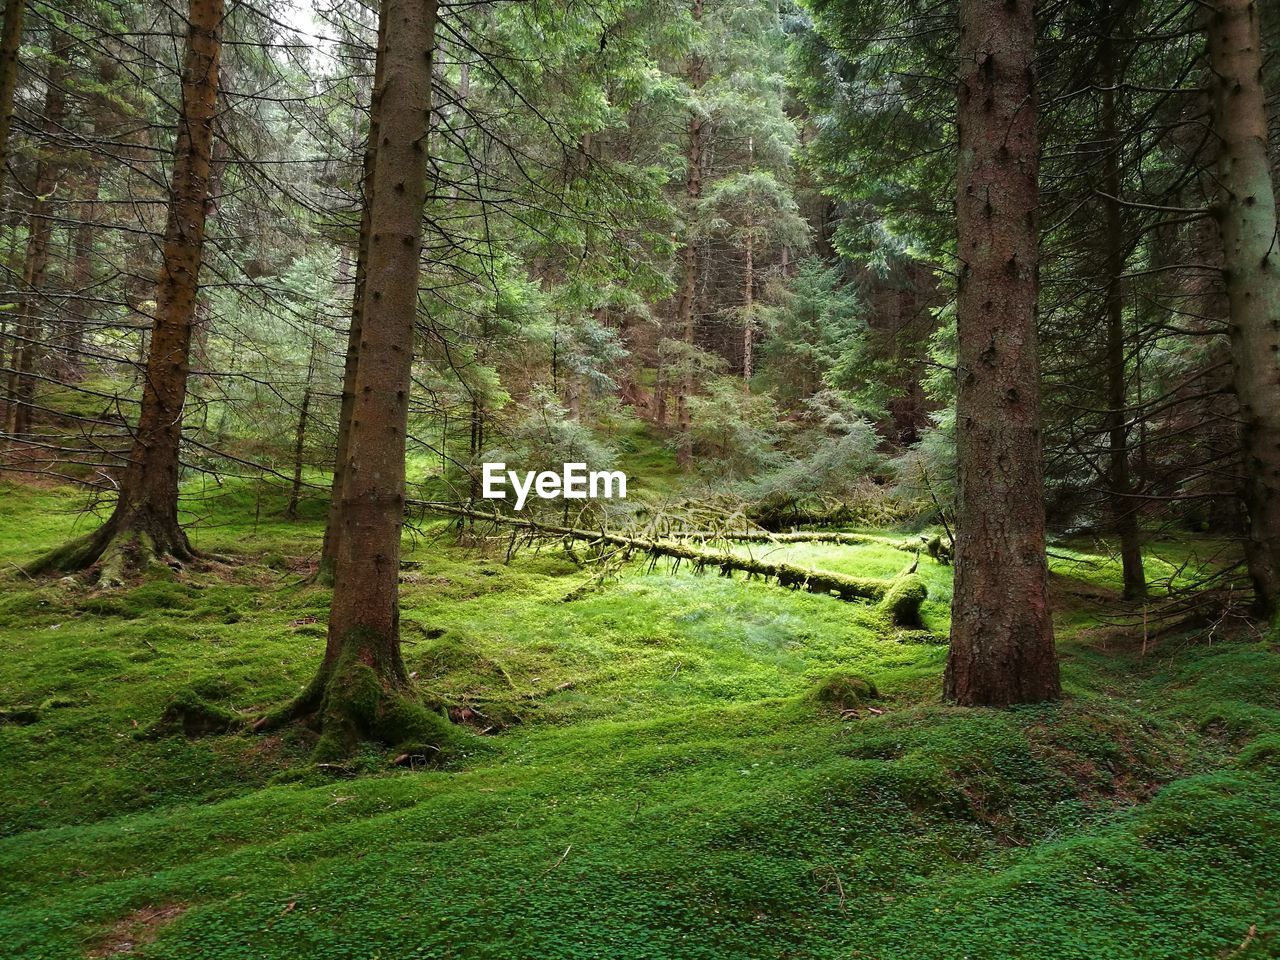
<point x="350" y="701"/>
<point x="192" y="715"/>
<point x="117" y="553"/>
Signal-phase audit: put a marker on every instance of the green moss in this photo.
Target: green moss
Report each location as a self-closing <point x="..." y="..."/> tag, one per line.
<point x="669" y="789"/>
<point x="1262" y="754"/>
<point x="189" y="713"/>
<point x="902" y="601"/>
<point x="845" y="691"/>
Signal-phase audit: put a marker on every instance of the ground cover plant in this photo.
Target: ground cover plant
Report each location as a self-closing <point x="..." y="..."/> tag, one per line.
<point x="886" y="403"/>
<point x="677" y="765"/>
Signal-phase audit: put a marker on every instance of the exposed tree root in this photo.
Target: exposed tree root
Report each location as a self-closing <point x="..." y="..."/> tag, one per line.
<point x="356" y="697"/>
<point x="192" y="715"/>
<point x="118" y="552"/>
<point x="784" y="574"/>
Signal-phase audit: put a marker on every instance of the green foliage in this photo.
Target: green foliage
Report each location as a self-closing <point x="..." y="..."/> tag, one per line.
<point x="735" y="432"/>
<point x="815" y="319"/>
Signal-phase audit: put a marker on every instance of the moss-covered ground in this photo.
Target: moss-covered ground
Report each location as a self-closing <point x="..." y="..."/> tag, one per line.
<point x="673" y="767"/>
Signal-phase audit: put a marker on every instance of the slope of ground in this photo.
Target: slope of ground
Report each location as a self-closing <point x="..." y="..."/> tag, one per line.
<point x="665" y="775"/>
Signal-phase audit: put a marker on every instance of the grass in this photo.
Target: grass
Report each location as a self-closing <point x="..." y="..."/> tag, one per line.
<point x="666" y="776"/>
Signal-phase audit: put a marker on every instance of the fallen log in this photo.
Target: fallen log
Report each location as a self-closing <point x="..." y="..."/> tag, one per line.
<point x="794" y="536"/>
<point x="823" y="582"/>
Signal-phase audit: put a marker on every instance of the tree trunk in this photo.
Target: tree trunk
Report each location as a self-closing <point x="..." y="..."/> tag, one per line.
<point x="82" y="274"/>
<point x="144" y="524"/>
<point x="1001" y="630"/>
<point x="10" y="44"/>
<point x="1246" y="215"/>
<point x="474" y="448"/>
<point x="748" y="309"/>
<point x="39" y="236"/>
<point x="361" y="688"/>
<point x="332" y="527"/>
<point x="1122" y="503"/>
<point x="300" y="437"/>
<point x="689" y="260"/>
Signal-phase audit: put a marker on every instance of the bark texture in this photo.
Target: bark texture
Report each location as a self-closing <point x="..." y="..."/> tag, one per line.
<point x="10" y="44"/>
<point x="1123" y="504"/>
<point x="1001" y="635"/>
<point x="144" y="524"/>
<point x="361" y="690"/>
<point x="332" y="530"/>
<point x="1246" y="215"/>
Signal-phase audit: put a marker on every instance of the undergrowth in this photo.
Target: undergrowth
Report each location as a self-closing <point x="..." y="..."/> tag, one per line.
<point x="675" y="767"/>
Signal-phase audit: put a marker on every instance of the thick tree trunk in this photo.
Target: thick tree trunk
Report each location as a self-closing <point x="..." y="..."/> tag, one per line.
<point x="1246" y="215"/>
<point x="1123" y="504"/>
<point x="144" y="524"/>
<point x="332" y="527"/>
<point x="361" y="688"/>
<point x="689" y="261"/>
<point x="10" y="44"/>
<point x="1001" y="634"/>
<point x="39" y="237"/>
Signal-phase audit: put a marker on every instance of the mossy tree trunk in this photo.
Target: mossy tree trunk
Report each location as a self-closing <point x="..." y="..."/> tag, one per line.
<point x="361" y="688"/>
<point x="1001" y="634"/>
<point x="144" y="524"/>
<point x="1246" y="215"/>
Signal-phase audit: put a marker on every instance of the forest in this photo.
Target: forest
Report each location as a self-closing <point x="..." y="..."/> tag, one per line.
<point x="669" y="479"/>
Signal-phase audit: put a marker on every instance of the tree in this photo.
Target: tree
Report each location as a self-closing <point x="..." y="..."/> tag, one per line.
<point x="1001" y="631"/>
<point x="361" y="688"/>
<point x="10" y="43"/>
<point x="1121" y="501"/>
<point x="695" y="160"/>
<point x="39" y="238"/>
<point x="144" y="524"/>
<point x="1246" y="215"/>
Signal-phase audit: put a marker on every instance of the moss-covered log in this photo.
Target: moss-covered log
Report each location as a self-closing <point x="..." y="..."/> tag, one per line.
<point x="784" y="574"/>
<point x="901" y="603"/>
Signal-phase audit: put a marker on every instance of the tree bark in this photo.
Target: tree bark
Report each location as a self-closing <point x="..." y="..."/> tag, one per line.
<point x="1246" y="214"/>
<point x="1001" y="631"/>
<point x="39" y="236"/>
<point x="10" y="45"/>
<point x="1122" y="503"/>
<point x="332" y="527"/>
<point x="748" y="309"/>
<point x="144" y="524"/>
<point x="82" y="273"/>
<point x="689" y="261"/>
<point x="361" y="689"/>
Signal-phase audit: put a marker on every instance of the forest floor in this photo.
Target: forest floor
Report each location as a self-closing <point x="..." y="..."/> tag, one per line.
<point x="663" y="778"/>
